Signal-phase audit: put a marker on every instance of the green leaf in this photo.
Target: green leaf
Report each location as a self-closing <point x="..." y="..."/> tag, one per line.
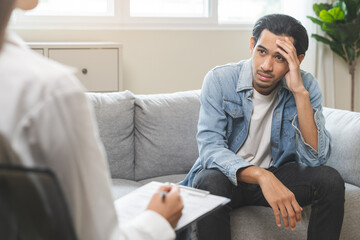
<point x="321" y="39"/>
<point x="353" y="7"/>
<point x="341" y="23"/>
<point x="347" y="33"/>
<point x="338" y="50"/>
<point x="325" y="16"/>
<point x="351" y="53"/>
<point x="331" y="30"/>
<point x="315" y="20"/>
<point x="337" y="13"/>
<point x="334" y="45"/>
<point x="319" y="7"/>
<point x="341" y="4"/>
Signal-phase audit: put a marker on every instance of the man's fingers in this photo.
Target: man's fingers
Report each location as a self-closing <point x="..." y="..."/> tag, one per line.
<point x="287" y="50"/>
<point x="297" y="209"/>
<point x="284" y="216"/>
<point x="291" y="216"/>
<point x="277" y="215"/>
<point x="288" y="46"/>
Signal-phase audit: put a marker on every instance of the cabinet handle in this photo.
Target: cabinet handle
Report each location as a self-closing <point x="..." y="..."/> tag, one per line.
<point x="84" y="71"/>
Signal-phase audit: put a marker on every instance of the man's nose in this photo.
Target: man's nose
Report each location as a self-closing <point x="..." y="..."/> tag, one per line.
<point x="267" y="65"/>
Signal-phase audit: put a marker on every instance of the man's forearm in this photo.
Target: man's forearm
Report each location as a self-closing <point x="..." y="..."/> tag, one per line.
<point x="252" y="174"/>
<point x="307" y="124"/>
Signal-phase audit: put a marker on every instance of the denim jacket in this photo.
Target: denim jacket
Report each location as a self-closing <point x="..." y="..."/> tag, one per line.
<point x="224" y="120"/>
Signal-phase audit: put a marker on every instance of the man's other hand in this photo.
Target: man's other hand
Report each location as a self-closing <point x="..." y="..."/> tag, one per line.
<point x="282" y="201"/>
<point x="279" y="197"/>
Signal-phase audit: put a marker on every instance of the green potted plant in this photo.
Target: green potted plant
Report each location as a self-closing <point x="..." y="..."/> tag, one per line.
<point x="341" y="23"/>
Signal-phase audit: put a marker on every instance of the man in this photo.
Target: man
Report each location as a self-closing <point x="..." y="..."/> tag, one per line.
<point x="262" y="139"/>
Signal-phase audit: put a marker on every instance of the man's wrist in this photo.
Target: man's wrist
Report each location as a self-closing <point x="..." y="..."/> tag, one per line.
<point x="252" y="174"/>
<point x="263" y="177"/>
<point x="301" y="92"/>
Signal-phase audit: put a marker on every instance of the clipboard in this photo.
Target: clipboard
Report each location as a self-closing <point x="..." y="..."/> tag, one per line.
<point x="197" y="203"/>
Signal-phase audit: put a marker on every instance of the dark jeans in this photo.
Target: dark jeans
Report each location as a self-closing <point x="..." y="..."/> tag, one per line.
<point x="322" y="187"/>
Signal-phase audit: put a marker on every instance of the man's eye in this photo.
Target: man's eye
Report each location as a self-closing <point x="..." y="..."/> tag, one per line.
<point x="280" y="58"/>
<point x="261" y="51"/>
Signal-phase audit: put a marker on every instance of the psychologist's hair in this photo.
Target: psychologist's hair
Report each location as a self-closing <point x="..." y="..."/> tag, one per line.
<point x="280" y="24"/>
<point x="6" y="7"/>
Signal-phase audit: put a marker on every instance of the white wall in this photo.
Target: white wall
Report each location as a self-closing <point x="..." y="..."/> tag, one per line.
<point x="163" y="61"/>
<point x="343" y="85"/>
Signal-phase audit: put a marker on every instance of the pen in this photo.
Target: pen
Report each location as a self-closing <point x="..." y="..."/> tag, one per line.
<point x="193" y="190"/>
<point x="163" y="195"/>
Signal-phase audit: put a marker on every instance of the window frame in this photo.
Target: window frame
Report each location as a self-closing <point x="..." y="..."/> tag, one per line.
<point x="122" y="20"/>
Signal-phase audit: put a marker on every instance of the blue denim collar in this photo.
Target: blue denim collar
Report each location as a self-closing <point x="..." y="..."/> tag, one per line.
<point x="245" y="78"/>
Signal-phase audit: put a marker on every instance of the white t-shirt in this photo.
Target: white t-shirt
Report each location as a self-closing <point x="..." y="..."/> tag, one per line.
<point x="256" y="148"/>
<point x="48" y="121"/>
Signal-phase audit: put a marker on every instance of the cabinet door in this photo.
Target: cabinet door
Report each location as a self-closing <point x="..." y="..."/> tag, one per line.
<point x="97" y="69"/>
<point x="39" y="51"/>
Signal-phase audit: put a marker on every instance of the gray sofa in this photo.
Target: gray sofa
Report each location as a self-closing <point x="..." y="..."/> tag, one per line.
<point x="153" y="137"/>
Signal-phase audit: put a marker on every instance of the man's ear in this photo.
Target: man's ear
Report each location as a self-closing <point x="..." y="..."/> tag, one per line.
<point x="301" y="57"/>
<point x="252" y="44"/>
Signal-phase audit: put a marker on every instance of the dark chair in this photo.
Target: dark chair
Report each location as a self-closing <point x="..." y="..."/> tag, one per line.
<point x="32" y="205"/>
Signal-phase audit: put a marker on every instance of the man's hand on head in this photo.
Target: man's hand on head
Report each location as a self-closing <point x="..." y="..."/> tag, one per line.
<point x="293" y="76"/>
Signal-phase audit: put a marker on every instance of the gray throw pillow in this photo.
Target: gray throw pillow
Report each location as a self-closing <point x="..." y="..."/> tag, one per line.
<point x="165" y="133"/>
<point x="344" y="128"/>
<point x="115" y="117"/>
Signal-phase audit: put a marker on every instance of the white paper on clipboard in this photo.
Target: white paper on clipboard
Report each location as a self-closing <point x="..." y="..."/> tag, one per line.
<point x="197" y="203"/>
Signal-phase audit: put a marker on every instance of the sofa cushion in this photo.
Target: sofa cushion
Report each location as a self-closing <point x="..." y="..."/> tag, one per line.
<point x="350" y="228"/>
<point x="344" y="127"/>
<point x="121" y="187"/>
<point x="258" y="222"/>
<point x="175" y="178"/>
<point x="115" y="117"/>
<point x="165" y="133"/>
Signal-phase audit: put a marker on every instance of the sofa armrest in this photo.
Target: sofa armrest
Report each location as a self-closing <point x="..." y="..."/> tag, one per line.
<point x="344" y="127"/>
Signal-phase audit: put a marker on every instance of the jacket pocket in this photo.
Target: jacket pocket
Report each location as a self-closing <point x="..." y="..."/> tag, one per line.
<point x="288" y="129"/>
<point x="235" y="115"/>
<point x="233" y="109"/>
<point x="289" y="113"/>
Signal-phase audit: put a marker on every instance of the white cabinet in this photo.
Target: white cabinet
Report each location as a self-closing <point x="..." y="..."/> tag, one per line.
<point x="98" y="64"/>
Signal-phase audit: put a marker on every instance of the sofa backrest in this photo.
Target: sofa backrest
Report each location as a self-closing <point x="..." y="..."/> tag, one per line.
<point x="344" y="127"/>
<point x="115" y="117"/>
<point x="147" y="135"/>
<point x="165" y="133"/>
<point x="153" y="135"/>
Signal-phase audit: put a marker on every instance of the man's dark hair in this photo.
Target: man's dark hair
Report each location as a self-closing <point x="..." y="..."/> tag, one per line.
<point x="280" y="24"/>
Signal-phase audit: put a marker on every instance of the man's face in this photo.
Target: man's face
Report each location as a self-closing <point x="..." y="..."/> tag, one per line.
<point x="269" y="66"/>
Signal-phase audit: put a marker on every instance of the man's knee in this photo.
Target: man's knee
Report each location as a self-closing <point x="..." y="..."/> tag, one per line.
<point x="213" y="181"/>
<point x="331" y="183"/>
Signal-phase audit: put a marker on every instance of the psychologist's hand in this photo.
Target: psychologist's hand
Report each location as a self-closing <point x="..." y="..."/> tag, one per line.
<point x="170" y="207"/>
<point x="281" y="200"/>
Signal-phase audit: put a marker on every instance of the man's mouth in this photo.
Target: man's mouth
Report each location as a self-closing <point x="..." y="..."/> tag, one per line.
<point x="264" y="76"/>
